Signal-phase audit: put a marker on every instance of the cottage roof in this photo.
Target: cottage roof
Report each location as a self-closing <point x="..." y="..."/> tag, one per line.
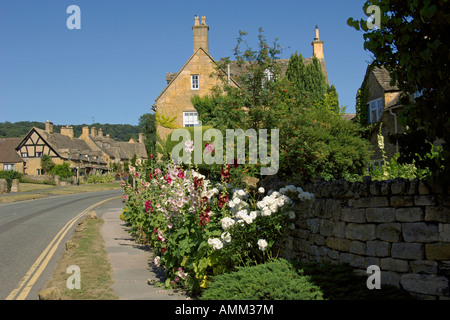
<point x="8" y="152"/>
<point x="383" y="78"/>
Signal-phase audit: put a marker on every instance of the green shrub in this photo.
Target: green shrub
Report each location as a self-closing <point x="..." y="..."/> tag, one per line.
<point x="277" y="280"/>
<point x="9" y="175"/>
<point x="62" y="170"/>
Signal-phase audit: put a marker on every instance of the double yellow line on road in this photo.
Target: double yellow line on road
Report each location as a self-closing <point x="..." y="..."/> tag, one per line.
<point x="30" y="278"/>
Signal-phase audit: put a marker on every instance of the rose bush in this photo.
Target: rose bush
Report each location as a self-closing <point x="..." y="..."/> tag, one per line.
<point x="199" y="228"/>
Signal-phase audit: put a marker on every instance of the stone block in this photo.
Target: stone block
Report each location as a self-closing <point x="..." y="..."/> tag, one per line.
<point x="398" y="187"/>
<point x="301" y="233"/>
<point x="317" y="239"/>
<point x="390" y="278"/>
<point x="380" y="214"/>
<point x="424" y="200"/>
<point x="444" y="232"/>
<point x="353" y="215"/>
<point x="3" y="186"/>
<point x="389" y="231"/>
<point x="437" y="251"/>
<point x="413" y="185"/>
<point x="358" y="247"/>
<point x="392" y="264"/>
<point x="420" y="232"/>
<point x="412" y="214"/>
<point x="339" y="229"/>
<point x="313" y="224"/>
<point x="326" y="227"/>
<point x="402" y="201"/>
<point x="378" y="248"/>
<point x="385" y="188"/>
<point x="439" y="214"/>
<point x="52" y="293"/>
<point x="423" y="266"/>
<point x="15" y="186"/>
<point x="338" y="244"/>
<point x="423" y="188"/>
<point x="362" y="232"/>
<point x="425" y="284"/>
<point x="375" y="188"/>
<point x="353" y="260"/>
<point x="372" y="202"/>
<point x="413" y="251"/>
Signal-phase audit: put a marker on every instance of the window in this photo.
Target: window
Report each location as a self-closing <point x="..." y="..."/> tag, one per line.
<point x="376" y="164"/>
<point x="38" y="154"/>
<point x="375" y="110"/>
<point x="24" y="154"/>
<point x="39" y="172"/>
<point x="190" y="119"/>
<point x="8" y="166"/>
<point x="194" y="82"/>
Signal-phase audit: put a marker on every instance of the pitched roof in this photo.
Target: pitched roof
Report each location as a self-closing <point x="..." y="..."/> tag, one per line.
<point x="383" y="78"/>
<point x="119" y="149"/>
<point x="8" y="152"/>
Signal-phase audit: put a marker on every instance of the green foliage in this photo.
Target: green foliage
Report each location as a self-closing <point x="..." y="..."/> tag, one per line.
<point x="100" y="178"/>
<point x="118" y="132"/>
<point x="62" y="170"/>
<point x="413" y="45"/>
<point x="314" y="140"/>
<point x="362" y="112"/>
<point x="9" y="175"/>
<point x="147" y="126"/>
<point x="276" y="280"/>
<point x="47" y="163"/>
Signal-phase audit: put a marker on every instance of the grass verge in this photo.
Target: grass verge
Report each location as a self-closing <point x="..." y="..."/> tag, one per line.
<point x="22" y="197"/>
<point x="91" y="257"/>
<point x="84" y="188"/>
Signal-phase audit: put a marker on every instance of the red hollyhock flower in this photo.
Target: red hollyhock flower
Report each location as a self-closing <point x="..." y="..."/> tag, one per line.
<point x="163" y="250"/>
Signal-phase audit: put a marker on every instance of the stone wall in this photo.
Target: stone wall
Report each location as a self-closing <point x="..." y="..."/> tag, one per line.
<point x="401" y="226"/>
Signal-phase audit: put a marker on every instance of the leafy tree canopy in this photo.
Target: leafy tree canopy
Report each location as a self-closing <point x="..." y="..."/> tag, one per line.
<point x="412" y="43"/>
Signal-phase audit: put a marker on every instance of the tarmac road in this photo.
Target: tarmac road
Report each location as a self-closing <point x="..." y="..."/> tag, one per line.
<point x="32" y="237"/>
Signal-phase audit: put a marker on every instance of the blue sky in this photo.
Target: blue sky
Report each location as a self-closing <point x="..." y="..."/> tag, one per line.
<point x="114" y="67"/>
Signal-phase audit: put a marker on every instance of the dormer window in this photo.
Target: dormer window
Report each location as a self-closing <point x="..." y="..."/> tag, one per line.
<point x="194" y="82"/>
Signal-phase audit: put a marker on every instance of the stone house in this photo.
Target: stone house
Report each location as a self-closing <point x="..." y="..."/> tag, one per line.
<point x="84" y="154"/>
<point x="9" y="158"/>
<point x="194" y="78"/>
<point x="383" y="105"/>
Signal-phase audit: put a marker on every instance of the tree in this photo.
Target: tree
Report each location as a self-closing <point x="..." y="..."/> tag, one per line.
<point x="314" y="140"/>
<point x="47" y="163"/>
<point x="412" y="43"/>
<point x="148" y="129"/>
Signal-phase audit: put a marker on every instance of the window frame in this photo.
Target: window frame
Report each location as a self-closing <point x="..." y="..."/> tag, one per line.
<point x="195" y="82"/>
<point x="8" y="166"/>
<point x="187" y="122"/>
<point x="375" y="105"/>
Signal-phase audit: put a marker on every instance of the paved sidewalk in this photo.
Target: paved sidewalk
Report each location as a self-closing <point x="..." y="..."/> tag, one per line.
<point x="132" y="263"/>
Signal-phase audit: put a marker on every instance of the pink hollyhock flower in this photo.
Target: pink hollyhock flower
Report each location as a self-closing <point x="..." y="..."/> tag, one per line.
<point x="209" y="147"/>
<point x="180" y="174"/>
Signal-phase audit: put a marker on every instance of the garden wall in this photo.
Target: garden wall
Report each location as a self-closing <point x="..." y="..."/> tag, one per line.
<point x="401" y="226"/>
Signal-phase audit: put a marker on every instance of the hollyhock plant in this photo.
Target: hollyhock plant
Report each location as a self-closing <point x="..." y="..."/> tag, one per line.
<point x="202" y="226"/>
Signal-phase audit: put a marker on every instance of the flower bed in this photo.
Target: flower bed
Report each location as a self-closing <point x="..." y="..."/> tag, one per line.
<point x="200" y="228"/>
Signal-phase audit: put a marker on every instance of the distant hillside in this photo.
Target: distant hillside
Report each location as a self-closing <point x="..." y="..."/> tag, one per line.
<point x="119" y="132"/>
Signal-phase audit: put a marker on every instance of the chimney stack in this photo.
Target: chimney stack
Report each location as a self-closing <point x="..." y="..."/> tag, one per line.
<point x="49" y="126"/>
<point x="100" y="132"/>
<point x="67" y="131"/>
<point x="317" y="45"/>
<point x="85" y="132"/>
<point x="200" y="32"/>
<point x="93" y="132"/>
<point x="141" y="138"/>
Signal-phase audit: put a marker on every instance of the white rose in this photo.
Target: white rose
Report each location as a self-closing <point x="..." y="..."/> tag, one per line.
<point x="226" y="237"/>
<point x="262" y="244"/>
<point x="261" y="190"/>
